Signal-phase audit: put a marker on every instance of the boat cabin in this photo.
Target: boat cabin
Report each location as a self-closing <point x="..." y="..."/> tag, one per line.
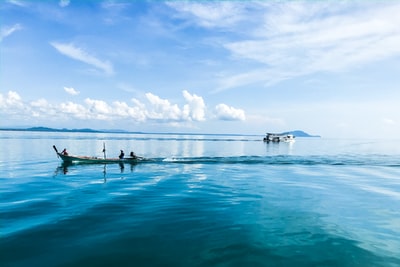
<point x="276" y="138"/>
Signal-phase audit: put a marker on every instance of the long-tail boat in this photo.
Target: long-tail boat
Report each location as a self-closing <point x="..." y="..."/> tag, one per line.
<point x="132" y="159"/>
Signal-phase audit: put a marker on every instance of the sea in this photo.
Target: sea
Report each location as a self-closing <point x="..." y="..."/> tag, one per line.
<point x="199" y="200"/>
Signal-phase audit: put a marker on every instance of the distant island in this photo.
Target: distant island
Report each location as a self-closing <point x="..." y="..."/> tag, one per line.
<point x="47" y="129"/>
<point x="299" y="133"/>
<point x="296" y="133"/>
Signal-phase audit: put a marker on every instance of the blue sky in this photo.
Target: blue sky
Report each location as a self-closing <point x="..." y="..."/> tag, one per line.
<point x="326" y="67"/>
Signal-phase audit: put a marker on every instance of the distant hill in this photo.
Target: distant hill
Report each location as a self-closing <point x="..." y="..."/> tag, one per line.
<point x="46" y="129"/>
<point x="299" y="133"/>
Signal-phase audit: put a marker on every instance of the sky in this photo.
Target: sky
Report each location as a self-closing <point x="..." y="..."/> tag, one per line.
<point x="330" y="68"/>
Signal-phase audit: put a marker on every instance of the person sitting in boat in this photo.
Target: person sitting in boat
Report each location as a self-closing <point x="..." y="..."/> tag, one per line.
<point x="64" y="152"/>
<point x="132" y="154"/>
<point x="122" y="154"/>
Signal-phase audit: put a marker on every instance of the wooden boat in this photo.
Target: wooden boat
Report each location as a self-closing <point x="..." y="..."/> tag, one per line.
<point x="90" y="160"/>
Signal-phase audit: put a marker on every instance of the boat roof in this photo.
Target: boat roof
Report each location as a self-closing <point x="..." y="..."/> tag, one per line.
<point x="280" y="133"/>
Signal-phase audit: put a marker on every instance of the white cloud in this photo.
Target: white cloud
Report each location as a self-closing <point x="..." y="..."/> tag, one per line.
<point x="210" y="14"/>
<point x="115" y="5"/>
<point x="42" y="108"/>
<point x="71" y="91"/>
<point x="11" y="100"/>
<point x="288" y="39"/>
<point x="12" y="106"/>
<point x="389" y="121"/>
<point x="195" y="109"/>
<point x="162" y="109"/>
<point x="17" y="3"/>
<point x="225" y="112"/>
<point x="13" y="97"/>
<point x="64" y="3"/>
<point x="99" y="109"/>
<point x="7" y="31"/>
<point x="75" y="110"/>
<point x="41" y="103"/>
<point x="122" y="109"/>
<point x="77" y="53"/>
<point x="295" y="43"/>
<point x="154" y="108"/>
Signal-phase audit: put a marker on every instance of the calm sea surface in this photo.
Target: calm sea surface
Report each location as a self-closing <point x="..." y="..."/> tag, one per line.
<point x="200" y="200"/>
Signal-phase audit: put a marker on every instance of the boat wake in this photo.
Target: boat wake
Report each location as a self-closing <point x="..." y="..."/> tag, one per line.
<point x="375" y="160"/>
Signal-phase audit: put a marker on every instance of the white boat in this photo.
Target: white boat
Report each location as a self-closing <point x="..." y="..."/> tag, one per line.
<point x="276" y="137"/>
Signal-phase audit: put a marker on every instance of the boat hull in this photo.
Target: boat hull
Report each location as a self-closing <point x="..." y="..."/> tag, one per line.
<point x="97" y="160"/>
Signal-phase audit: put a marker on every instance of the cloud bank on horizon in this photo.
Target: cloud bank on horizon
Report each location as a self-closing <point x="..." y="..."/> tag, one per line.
<point x="252" y="64"/>
<point x="154" y="109"/>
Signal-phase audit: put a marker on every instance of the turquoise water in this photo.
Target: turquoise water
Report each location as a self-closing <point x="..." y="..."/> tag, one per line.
<point x="200" y="200"/>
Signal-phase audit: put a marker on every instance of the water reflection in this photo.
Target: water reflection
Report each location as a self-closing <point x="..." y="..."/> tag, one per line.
<point x="280" y="148"/>
<point x="65" y="168"/>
